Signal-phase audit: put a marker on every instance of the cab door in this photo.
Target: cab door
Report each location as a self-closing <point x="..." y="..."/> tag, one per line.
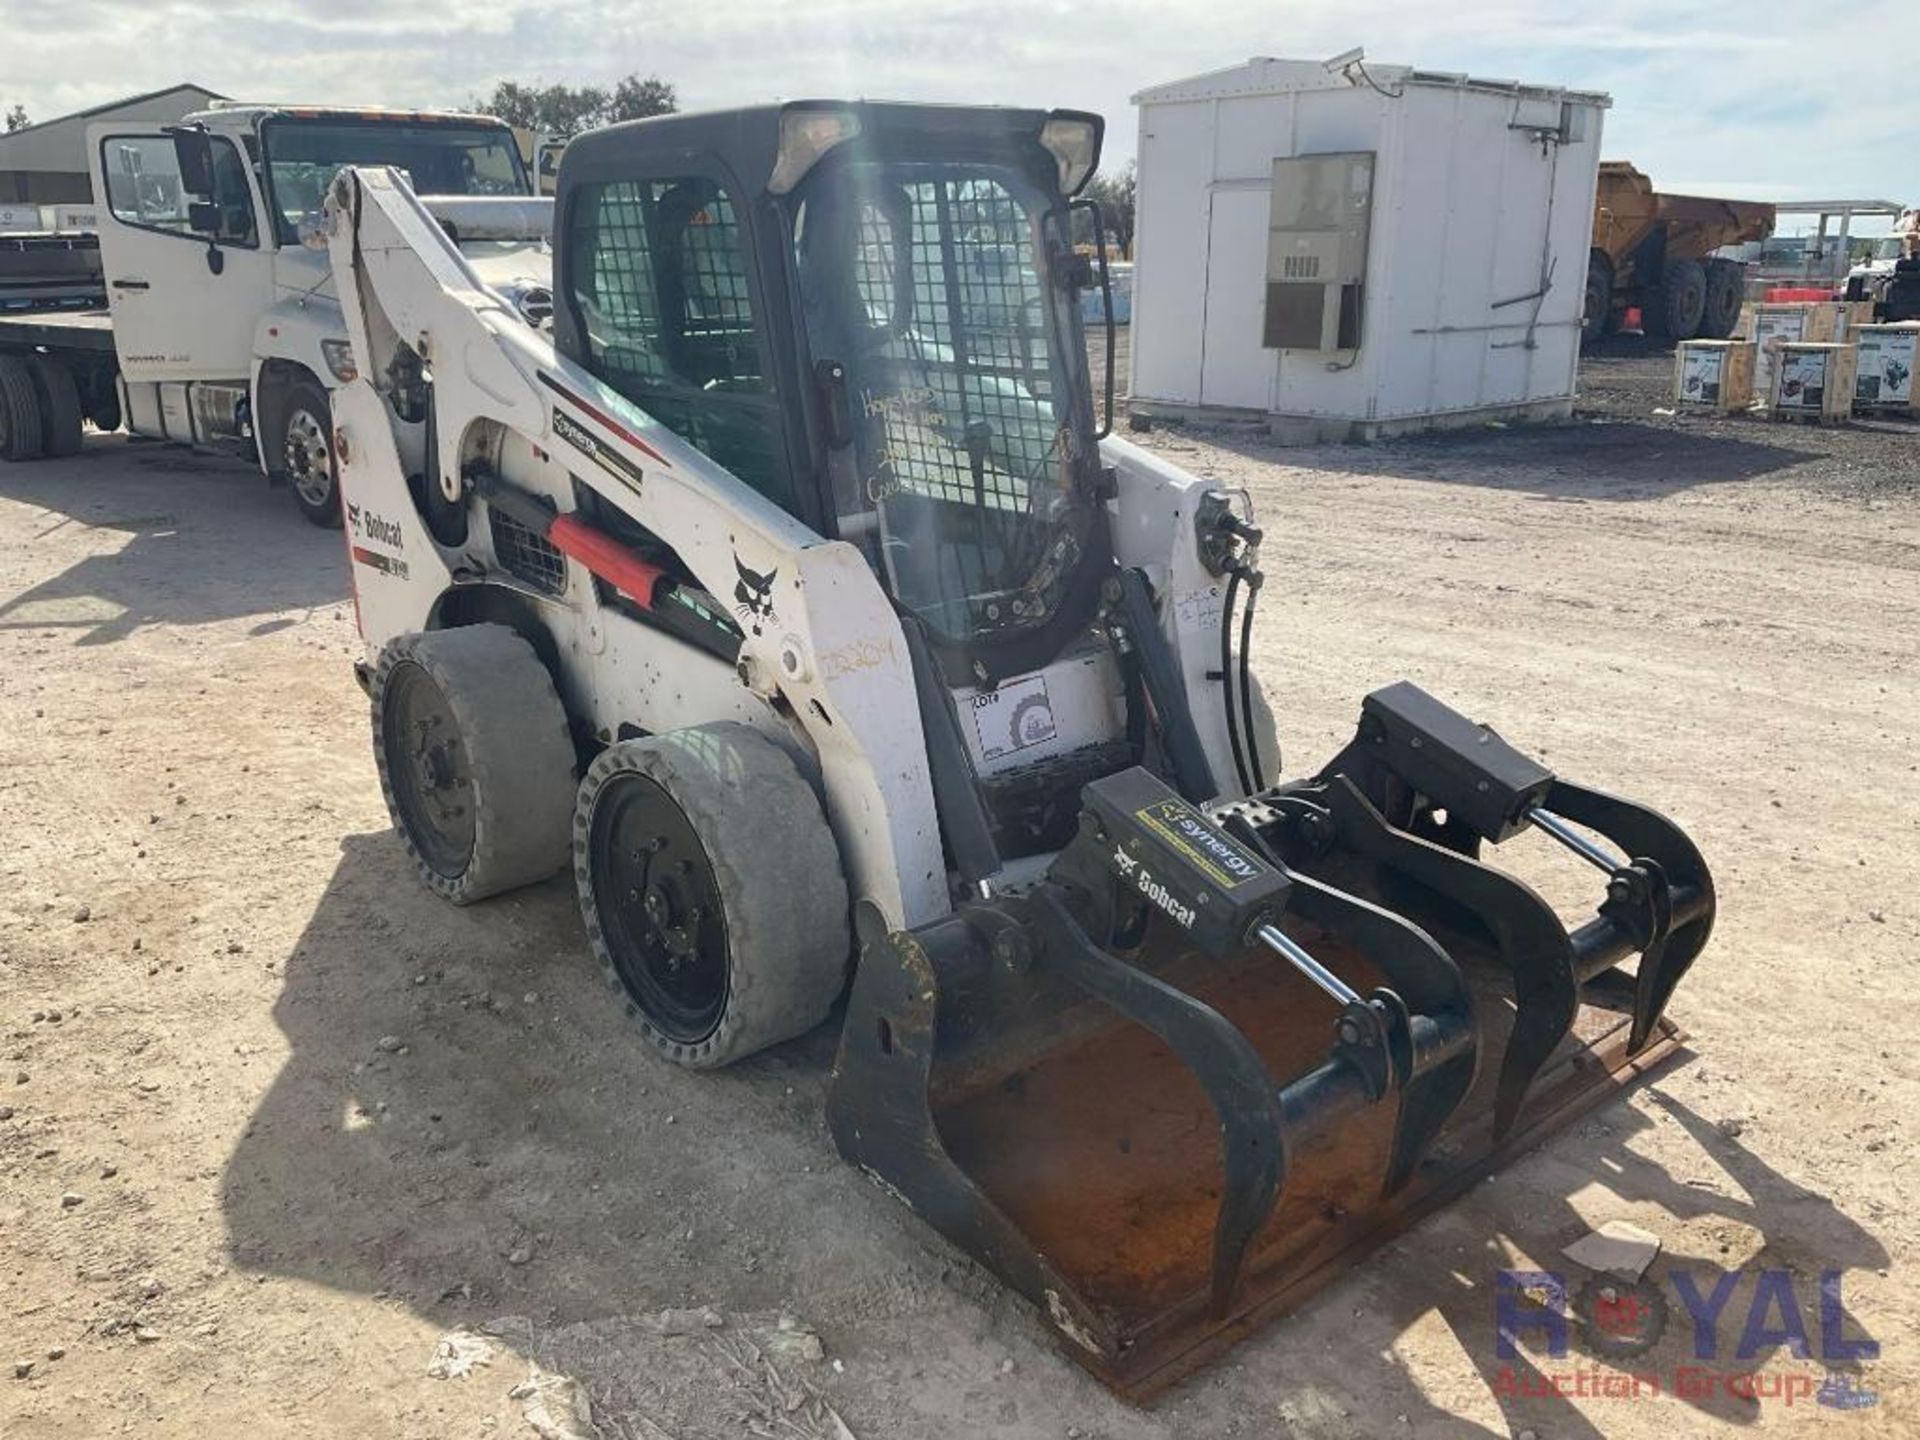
<point x="187" y="275"/>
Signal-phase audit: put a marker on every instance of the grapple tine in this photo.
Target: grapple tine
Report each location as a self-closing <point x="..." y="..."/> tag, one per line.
<point x="1668" y="918"/>
<point x="1423" y="980"/>
<point x="1413" y="758"/>
<point x="1252" y="1123"/>
<point x="1531" y="941"/>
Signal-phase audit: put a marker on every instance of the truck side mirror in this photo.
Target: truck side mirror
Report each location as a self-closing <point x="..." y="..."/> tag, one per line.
<point x="203" y="217"/>
<point x="193" y="156"/>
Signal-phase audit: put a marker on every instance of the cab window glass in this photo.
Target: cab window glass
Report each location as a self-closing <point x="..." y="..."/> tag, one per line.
<point x="659" y="278"/>
<point x="143" y="188"/>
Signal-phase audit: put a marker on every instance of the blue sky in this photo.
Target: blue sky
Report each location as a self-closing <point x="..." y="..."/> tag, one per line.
<point x="1767" y="100"/>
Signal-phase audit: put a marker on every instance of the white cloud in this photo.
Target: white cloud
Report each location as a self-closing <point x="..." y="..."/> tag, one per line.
<point x="1765" y="99"/>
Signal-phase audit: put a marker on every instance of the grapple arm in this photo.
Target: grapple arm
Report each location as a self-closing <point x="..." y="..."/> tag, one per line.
<point x="1421" y="788"/>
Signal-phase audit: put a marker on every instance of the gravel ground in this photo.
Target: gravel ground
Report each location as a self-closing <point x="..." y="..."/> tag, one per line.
<point x="273" y="1120"/>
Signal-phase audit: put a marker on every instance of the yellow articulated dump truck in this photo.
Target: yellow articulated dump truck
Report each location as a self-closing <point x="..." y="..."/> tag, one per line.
<point x="1655" y="251"/>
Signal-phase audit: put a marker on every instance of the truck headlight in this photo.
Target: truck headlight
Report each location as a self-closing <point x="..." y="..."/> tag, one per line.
<point x="339" y="357"/>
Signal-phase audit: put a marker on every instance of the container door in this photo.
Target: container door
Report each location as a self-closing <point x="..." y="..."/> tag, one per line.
<point x="187" y="276"/>
<point x="1235" y="370"/>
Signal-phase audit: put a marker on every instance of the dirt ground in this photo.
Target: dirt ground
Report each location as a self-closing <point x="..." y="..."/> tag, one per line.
<point x="276" y="1120"/>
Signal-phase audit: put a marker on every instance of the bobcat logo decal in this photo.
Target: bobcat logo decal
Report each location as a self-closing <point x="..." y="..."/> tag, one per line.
<point x="755" y="594"/>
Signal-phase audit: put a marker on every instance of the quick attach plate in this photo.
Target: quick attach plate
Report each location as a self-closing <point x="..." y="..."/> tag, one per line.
<point x="1157" y="844"/>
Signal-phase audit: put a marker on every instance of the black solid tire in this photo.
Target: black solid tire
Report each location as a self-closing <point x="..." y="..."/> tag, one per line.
<point x="60" y="415"/>
<point x="20" y="432"/>
<point x="306" y="396"/>
<point x="1680" y="302"/>
<point x="1726" y="293"/>
<point x="777" y="871"/>
<point x="1599" y="301"/>
<point x="516" y="747"/>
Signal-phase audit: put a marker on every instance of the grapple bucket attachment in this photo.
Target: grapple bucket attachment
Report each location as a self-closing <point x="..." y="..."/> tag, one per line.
<point x="1217" y="1055"/>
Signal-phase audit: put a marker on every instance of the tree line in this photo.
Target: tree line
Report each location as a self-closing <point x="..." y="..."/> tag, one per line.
<point x="569" y="110"/>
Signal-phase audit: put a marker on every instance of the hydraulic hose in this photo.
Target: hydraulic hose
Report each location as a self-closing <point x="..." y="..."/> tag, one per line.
<point x="1226" y="679"/>
<point x="1246" y="683"/>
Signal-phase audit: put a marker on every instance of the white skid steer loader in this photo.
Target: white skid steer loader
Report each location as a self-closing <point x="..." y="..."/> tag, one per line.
<point x="791" y="593"/>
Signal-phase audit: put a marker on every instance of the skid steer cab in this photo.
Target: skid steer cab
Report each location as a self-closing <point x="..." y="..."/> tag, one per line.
<point x="793" y="594"/>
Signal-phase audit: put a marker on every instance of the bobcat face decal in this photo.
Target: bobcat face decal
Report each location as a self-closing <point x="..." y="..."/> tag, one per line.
<point x="755" y="594"/>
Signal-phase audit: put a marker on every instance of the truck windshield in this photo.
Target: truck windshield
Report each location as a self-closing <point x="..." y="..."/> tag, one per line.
<point x="969" y="477"/>
<point x="441" y="159"/>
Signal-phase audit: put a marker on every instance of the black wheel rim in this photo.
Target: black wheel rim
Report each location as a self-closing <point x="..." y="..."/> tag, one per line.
<point x="659" y="908"/>
<point x="428" y="768"/>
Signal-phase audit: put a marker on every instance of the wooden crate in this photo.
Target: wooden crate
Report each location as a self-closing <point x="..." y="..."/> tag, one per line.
<point x="1815" y="321"/>
<point x="1771" y="326"/>
<point x="1852" y="315"/>
<point x="1714" y="375"/>
<point x="1888" y="356"/>
<point x="1812" y="382"/>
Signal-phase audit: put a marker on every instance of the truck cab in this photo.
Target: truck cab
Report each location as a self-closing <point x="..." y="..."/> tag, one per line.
<point x="225" y="320"/>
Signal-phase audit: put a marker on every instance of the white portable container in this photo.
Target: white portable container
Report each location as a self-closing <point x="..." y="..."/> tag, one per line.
<point x="1359" y="254"/>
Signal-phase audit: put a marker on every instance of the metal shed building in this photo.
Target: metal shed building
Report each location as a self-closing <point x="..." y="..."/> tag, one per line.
<point x="1360" y="251"/>
<point x="46" y="164"/>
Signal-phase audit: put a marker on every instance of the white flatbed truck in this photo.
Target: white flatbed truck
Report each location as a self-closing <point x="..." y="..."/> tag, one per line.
<point x="221" y="327"/>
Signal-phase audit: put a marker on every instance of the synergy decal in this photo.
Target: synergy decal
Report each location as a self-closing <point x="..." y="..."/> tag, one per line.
<point x="1225" y="863"/>
<point x="590" y="445"/>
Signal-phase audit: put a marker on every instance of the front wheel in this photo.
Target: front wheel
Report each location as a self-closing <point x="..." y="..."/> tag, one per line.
<point x="712" y="891"/>
<point x="301" y="448"/>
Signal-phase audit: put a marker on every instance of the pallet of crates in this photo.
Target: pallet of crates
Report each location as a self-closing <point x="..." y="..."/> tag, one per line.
<point x="1713" y="376"/>
<point x="1883" y="378"/>
<point x="1812" y="382"/>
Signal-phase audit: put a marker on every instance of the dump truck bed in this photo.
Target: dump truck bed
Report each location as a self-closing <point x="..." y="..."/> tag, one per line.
<point x="1627" y="207"/>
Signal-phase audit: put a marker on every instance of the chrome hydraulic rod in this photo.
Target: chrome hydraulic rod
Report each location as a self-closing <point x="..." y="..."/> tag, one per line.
<point x="1329" y="982"/>
<point x="1575" y="840"/>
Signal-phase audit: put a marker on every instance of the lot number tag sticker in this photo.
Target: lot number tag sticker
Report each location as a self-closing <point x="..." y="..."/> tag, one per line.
<point x="1013" y="717"/>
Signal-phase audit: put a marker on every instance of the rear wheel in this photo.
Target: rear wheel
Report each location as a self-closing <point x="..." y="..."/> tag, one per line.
<point x="1726" y="292"/>
<point x="475" y="759"/>
<point x="1680" y="302"/>
<point x="1594" y="318"/>
<point x="712" y="891"/>
<point x="302" y="450"/>
<point x="20" y="432"/>
<point x="60" y="414"/>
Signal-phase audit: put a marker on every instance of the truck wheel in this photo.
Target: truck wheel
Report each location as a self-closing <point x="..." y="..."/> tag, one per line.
<point x="1726" y="292"/>
<point x="1680" y="301"/>
<point x="60" y="433"/>
<point x="20" y="435"/>
<point x="1599" y="301"/>
<point x="302" y="450"/>
<point x="102" y="399"/>
<point x="712" y="891"/>
<point x="475" y="759"/>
